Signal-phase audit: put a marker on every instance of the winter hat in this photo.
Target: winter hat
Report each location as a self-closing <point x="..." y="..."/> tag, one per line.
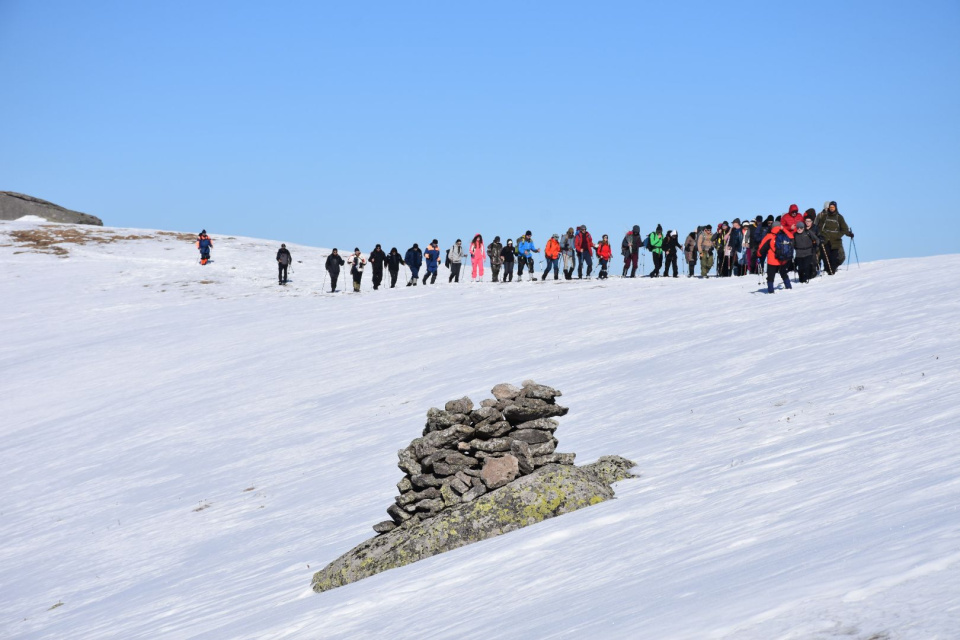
<point x="459" y="241"/>
<point x="708" y="226"/>
<point x="570" y="231"/>
<point x="435" y="241"/>
<point x="726" y="225"/>
<point x="759" y="219"/>
<point x="378" y="246"/>
<point x="769" y="219"/>
<point x="393" y="250"/>
<point x="555" y="236"/>
<point x="203" y="232"/>
<point x="736" y="221"/>
<point x="416" y="246"/>
<point x="528" y="233"/>
<point x="496" y="238"/>
<point x="659" y="229"/>
<point x="283" y="246"/>
<point x="509" y="240"/>
<point x="833" y="202"/>
<point x="799" y="226"/>
<point x="672" y="232"/>
<point x="636" y="229"/>
<point x="356" y="249"/>
<point x="794" y="208"/>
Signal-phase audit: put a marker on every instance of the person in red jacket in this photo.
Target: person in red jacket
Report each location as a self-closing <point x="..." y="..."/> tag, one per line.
<point x="583" y="243"/>
<point x="604" y="253"/>
<point x="790" y="220"/>
<point x="768" y="249"/>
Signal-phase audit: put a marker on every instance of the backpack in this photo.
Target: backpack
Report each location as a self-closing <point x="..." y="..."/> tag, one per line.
<point x="783" y="248"/>
<point x="646" y="243"/>
<point x="516" y="245"/>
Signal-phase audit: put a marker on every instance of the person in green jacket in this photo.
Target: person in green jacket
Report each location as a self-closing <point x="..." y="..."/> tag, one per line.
<point x="831" y="228"/>
<point x="656" y="250"/>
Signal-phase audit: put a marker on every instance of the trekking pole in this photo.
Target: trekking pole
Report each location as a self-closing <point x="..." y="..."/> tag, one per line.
<point x="853" y="246"/>
<point x="826" y="258"/>
<point x="324" y="281"/>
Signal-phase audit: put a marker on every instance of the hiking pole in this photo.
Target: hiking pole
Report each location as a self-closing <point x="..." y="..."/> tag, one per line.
<point x="853" y="245"/>
<point x="324" y="281"/>
<point x="826" y="258"/>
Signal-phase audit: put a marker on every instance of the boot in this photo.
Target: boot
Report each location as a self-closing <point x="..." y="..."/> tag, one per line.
<point x="769" y="286"/>
<point x="625" y="267"/>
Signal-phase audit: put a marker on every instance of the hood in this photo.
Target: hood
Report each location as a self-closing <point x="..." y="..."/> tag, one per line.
<point x="636" y="229"/>
<point x="794" y="209"/>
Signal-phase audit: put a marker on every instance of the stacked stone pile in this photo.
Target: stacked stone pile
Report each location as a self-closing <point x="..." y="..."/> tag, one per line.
<point x="466" y="452"/>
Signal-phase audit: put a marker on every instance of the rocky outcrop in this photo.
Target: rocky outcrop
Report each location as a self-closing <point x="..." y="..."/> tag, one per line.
<point x="16" y="205"/>
<point x="475" y="474"/>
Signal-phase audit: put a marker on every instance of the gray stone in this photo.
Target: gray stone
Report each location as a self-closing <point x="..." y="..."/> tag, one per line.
<point x="459" y="485"/>
<point x="540" y="392"/>
<point x="437" y="419"/>
<point x="461" y="405"/>
<point x="413" y="496"/>
<point x="408" y="462"/>
<point x="610" y="469"/>
<point x="385" y="527"/>
<point x="493" y="429"/>
<point x="443" y="439"/>
<point x="521" y="451"/>
<point x="532" y="436"/>
<point x="16" y="205"/>
<point x="474" y="493"/>
<point x="489" y="402"/>
<point x="404" y="485"/>
<point x="548" y="492"/>
<point x="544" y="448"/>
<point x="450" y="458"/>
<point x="428" y="506"/>
<point x="397" y="513"/>
<point x="463" y="477"/>
<point x="504" y="391"/>
<point x="553" y="458"/>
<point x="484" y="414"/>
<point x="526" y="409"/>
<point x="444" y="469"/>
<point x="425" y="480"/>
<point x="497" y="472"/>
<point x="541" y="424"/>
<point x="491" y="446"/>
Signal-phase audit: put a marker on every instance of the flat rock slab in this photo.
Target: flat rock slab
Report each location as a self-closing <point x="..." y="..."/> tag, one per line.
<point x="550" y="491"/>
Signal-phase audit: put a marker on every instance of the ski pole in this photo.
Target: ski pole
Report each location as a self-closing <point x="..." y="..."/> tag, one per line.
<point x="324" y="281"/>
<point x="853" y="243"/>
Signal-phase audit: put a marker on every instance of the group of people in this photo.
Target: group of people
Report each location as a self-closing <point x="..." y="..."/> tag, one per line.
<point x="806" y="243"/>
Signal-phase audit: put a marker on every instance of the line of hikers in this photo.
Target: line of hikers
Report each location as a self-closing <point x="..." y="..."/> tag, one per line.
<point x="806" y="243"/>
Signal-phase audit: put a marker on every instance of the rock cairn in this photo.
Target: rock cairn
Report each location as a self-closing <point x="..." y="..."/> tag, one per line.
<point x="466" y="452"/>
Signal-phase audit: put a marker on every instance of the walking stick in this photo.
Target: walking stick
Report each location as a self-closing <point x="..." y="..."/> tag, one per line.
<point x="853" y="246"/>
<point x="324" y="281"/>
<point x="826" y="257"/>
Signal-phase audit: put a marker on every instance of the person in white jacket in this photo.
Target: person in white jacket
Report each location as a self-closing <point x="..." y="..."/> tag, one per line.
<point x="357" y="262"/>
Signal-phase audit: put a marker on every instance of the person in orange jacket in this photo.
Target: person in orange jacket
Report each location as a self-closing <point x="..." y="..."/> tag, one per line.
<point x="204" y="244"/>
<point x="777" y="248"/>
<point x="604" y="253"/>
<point x="552" y="252"/>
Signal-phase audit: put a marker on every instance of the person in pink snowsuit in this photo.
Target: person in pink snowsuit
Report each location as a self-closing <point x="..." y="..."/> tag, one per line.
<point x="478" y="253"/>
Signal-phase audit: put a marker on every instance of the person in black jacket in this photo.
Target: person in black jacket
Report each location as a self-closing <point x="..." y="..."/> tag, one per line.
<point x="376" y="259"/>
<point x="334" y="262"/>
<point x="508" y="258"/>
<point x="413" y="259"/>
<point x="283" y="261"/>
<point x="393" y="261"/>
<point x="670" y="246"/>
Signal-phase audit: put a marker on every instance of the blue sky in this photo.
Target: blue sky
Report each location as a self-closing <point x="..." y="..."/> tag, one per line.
<point x="361" y="122"/>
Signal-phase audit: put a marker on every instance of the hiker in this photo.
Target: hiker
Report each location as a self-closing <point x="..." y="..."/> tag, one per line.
<point x="413" y="259"/>
<point x="393" y="262"/>
<point x="690" y="251"/>
<point x="333" y="264"/>
<point x="477" y="252"/>
<point x="705" y="250"/>
<point x="777" y="248"/>
<point x="432" y="257"/>
<point x="583" y="244"/>
<point x="604" y="253"/>
<point x="746" y="255"/>
<point x="763" y="228"/>
<point x="508" y="254"/>
<point x="552" y="253"/>
<point x="791" y="218"/>
<point x="655" y="246"/>
<point x="377" y="258"/>
<point x="455" y="260"/>
<point x="496" y="260"/>
<point x="283" y="261"/>
<point x="526" y="249"/>
<point x="808" y="222"/>
<point x="357" y="263"/>
<point x="831" y="227"/>
<point x="732" y="247"/>
<point x="719" y="242"/>
<point x="805" y="251"/>
<point x="568" y="249"/>
<point x="630" y="248"/>
<point x="204" y="244"/>
<point x="671" y="243"/>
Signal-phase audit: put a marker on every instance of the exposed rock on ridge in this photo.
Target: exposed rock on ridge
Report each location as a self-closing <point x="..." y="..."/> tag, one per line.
<point x="16" y="205"/>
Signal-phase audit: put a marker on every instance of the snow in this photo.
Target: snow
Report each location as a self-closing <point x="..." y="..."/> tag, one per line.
<point x="797" y="453"/>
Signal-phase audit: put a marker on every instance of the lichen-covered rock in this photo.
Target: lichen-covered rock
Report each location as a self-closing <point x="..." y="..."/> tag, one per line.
<point x="493" y="429"/>
<point x="461" y="405"/>
<point x="385" y="527"/>
<point x="609" y="469"/>
<point x="532" y="436"/>
<point x="494" y="445"/>
<point x="539" y="391"/>
<point x="554" y="458"/>
<point x="542" y="424"/>
<point x="550" y="491"/>
<point x="408" y="462"/>
<point x="497" y="472"/>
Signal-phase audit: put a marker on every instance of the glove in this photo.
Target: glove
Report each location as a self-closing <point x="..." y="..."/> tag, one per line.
<point x="850" y="234"/>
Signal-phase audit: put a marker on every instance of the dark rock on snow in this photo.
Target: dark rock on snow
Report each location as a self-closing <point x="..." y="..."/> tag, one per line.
<point x="16" y="205"/>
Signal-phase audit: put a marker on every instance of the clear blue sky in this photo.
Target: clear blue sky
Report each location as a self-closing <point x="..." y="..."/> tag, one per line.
<point x="352" y="123"/>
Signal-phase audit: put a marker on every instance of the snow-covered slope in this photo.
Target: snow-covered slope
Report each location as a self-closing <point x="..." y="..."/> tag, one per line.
<point x="183" y="446"/>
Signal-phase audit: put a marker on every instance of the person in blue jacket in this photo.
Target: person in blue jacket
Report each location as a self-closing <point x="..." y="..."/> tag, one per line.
<point x="204" y="244"/>
<point x="526" y="250"/>
<point x="414" y="258"/>
<point x="432" y="257"/>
